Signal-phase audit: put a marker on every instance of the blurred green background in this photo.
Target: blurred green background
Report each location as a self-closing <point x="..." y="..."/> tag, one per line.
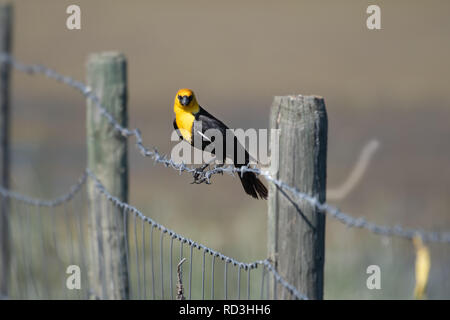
<point x="391" y="84"/>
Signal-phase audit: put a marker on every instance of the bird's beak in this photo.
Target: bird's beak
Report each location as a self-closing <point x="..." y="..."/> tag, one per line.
<point x="185" y="101"/>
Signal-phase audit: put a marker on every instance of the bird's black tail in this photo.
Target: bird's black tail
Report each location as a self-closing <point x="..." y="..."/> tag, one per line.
<point x="253" y="186"/>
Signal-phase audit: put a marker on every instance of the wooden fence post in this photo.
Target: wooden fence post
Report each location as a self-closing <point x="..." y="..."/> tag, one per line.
<point x="107" y="159"/>
<point x="6" y="12"/>
<point x="296" y="229"/>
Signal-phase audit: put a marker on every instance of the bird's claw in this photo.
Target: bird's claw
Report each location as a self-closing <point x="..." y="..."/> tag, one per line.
<point x="199" y="176"/>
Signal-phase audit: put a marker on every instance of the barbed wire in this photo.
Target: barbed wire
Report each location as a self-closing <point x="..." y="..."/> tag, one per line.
<point x="86" y="91"/>
<point x="202" y="176"/>
<point x="205" y="176"/>
<point x="399" y="231"/>
<point x="73" y="190"/>
<point x="246" y="266"/>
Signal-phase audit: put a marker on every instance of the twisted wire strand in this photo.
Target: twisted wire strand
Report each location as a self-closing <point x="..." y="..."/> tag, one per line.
<point x="46" y="203"/>
<point x="246" y="266"/>
<point x="86" y="91"/>
<point x="205" y="176"/>
<point x="349" y="221"/>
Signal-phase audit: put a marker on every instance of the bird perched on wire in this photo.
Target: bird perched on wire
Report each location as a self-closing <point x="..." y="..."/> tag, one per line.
<point x="192" y="123"/>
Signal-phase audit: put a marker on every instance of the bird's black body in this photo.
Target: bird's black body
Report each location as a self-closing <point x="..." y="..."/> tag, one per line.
<point x="203" y="136"/>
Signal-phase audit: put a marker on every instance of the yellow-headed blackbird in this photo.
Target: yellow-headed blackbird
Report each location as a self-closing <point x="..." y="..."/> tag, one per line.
<point x="192" y="121"/>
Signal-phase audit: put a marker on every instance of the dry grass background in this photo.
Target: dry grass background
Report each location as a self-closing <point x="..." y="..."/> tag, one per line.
<point x="391" y="85"/>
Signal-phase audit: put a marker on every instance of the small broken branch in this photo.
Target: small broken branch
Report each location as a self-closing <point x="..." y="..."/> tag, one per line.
<point x="180" y="289"/>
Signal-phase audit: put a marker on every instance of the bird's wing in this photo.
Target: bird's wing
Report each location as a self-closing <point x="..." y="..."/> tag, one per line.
<point x="206" y="130"/>
<point x="207" y="121"/>
<point x="204" y="122"/>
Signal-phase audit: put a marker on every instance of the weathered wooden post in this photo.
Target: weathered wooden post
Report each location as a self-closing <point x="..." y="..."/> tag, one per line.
<point x="107" y="159"/>
<point x="296" y="229"/>
<point x="6" y="12"/>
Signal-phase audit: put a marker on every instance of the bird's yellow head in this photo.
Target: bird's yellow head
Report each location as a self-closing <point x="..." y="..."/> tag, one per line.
<point x="186" y="100"/>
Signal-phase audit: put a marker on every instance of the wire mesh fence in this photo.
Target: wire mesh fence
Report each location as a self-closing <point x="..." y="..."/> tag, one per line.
<point x="154" y="251"/>
<point x="46" y="238"/>
<point x="50" y="236"/>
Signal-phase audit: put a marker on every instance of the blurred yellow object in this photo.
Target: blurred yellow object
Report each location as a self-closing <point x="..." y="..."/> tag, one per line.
<point x="422" y="267"/>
